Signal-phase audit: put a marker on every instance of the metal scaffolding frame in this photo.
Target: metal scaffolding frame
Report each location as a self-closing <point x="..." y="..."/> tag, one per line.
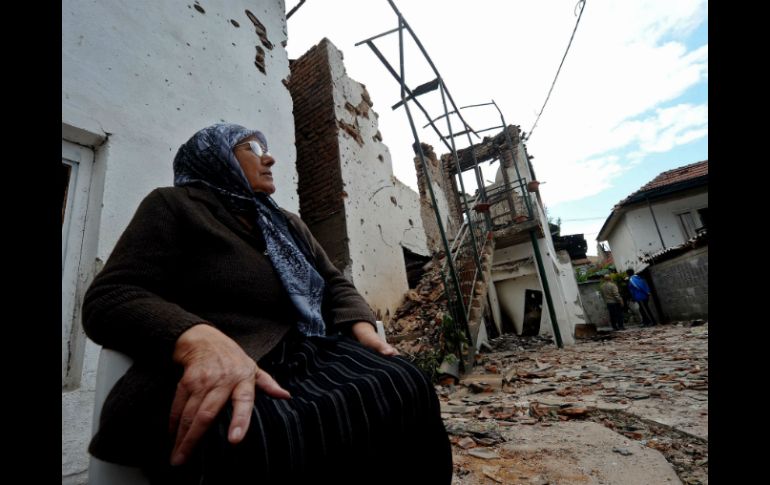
<point x="452" y="284"/>
<point x="507" y="188"/>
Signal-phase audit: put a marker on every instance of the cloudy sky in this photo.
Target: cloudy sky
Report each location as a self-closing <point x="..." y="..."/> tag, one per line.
<point x="631" y="100"/>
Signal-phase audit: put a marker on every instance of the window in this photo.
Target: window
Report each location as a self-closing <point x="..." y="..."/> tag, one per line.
<point x="687" y="222"/>
<point x="75" y="176"/>
<point x="703" y="214"/>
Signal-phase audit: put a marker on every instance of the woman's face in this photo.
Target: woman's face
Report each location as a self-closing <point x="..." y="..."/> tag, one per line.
<point x="256" y="168"/>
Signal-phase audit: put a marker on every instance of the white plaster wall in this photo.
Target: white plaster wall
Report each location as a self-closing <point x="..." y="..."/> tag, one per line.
<point x="413" y="235"/>
<point x="521" y="162"/>
<point x="635" y="236"/>
<point x="566" y="327"/>
<point x="511" y="292"/>
<point x="510" y="282"/>
<point x="570" y="290"/>
<point x="377" y="219"/>
<point x="443" y="209"/>
<point x="146" y="75"/>
<point x="564" y="294"/>
<point x="510" y="288"/>
<point x="622" y="238"/>
<point x="494" y="304"/>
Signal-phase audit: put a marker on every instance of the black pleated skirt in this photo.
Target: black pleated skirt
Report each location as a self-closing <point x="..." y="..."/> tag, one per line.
<point x="355" y="416"/>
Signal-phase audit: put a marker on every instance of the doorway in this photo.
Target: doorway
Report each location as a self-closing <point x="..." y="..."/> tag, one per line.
<point x="533" y="309"/>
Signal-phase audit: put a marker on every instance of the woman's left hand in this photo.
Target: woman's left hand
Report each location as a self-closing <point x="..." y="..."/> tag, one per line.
<point x="367" y="335"/>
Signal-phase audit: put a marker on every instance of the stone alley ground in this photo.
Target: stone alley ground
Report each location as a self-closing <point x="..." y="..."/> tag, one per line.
<point x="628" y="407"/>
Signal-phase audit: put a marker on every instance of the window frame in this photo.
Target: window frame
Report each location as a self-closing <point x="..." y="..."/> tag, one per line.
<point x="81" y="159"/>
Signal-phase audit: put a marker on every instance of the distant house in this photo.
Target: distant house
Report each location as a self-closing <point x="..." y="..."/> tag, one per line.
<point x="666" y="212"/>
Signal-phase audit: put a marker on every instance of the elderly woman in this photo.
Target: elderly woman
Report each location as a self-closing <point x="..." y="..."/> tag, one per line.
<point x="255" y="360"/>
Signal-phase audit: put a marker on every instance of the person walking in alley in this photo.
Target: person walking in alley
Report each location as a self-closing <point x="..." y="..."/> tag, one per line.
<point x="255" y="359"/>
<point x="640" y="293"/>
<point x="614" y="302"/>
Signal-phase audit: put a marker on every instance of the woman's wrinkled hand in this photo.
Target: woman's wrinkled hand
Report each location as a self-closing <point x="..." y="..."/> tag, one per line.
<point x="368" y="337"/>
<point x="216" y="370"/>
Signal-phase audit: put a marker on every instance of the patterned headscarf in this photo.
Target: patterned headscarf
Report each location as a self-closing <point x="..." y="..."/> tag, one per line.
<point x="208" y="158"/>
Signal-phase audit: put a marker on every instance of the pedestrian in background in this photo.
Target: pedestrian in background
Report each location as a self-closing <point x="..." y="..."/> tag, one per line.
<point x="614" y="302"/>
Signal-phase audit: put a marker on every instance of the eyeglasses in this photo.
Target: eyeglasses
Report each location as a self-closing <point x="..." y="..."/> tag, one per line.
<point x="255" y="147"/>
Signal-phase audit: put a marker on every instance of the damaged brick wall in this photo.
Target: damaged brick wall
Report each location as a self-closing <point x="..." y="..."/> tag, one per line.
<point x="445" y="190"/>
<point x="319" y="183"/>
<point x="360" y="213"/>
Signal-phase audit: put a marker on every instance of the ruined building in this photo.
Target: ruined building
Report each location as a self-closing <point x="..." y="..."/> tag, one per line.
<point x="367" y="220"/>
<point x="509" y="209"/>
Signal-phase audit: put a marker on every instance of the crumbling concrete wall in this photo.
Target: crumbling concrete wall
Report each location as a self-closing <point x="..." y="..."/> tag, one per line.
<point x="408" y="203"/>
<point x="682" y="285"/>
<point x="142" y="77"/>
<point x="514" y="270"/>
<point x="445" y="191"/>
<point x="593" y="304"/>
<point x="569" y="290"/>
<point x="564" y="292"/>
<point x="363" y="207"/>
<point x="511" y="294"/>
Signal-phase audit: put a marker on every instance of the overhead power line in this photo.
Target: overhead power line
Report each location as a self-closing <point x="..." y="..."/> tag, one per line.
<point x="582" y="5"/>
<point x="584" y="219"/>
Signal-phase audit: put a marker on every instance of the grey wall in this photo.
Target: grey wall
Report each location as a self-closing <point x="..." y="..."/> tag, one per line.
<point x="682" y="285"/>
<point x="593" y="304"/>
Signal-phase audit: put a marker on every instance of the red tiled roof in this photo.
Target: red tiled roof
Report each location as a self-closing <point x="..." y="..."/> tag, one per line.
<point x="670" y="177"/>
<point x="680" y="174"/>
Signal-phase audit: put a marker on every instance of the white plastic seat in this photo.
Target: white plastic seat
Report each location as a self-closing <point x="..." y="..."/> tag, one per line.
<point x="112" y="366"/>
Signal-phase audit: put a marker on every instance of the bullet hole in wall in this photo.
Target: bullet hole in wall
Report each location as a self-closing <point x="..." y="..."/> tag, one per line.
<point x="259" y="60"/>
<point x="236" y="24"/>
<point x="260" y="29"/>
<point x="199" y="8"/>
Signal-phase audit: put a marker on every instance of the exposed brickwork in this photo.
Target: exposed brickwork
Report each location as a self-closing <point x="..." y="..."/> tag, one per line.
<point x="351" y="130"/>
<point x="440" y="176"/>
<point x="318" y="168"/>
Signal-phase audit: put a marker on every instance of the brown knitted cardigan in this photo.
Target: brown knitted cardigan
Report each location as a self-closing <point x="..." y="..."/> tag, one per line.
<point x="184" y="259"/>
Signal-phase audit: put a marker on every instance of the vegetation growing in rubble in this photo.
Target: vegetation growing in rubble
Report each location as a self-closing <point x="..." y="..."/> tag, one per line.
<point x="428" y="361"/>
<point x="452" y="338"/>
<point x="452" y="344"/>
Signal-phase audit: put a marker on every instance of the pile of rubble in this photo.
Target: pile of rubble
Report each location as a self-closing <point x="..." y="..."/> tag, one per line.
<point x="416" y="324"/>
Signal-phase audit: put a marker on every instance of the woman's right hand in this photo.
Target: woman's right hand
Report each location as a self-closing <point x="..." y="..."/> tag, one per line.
<point x="215" y="369"/>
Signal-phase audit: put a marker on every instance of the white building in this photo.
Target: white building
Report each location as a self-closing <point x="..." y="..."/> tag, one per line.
<point x="138" y="79"/>
<point x="665" y="212"/>
<point x="517" y="295"/>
